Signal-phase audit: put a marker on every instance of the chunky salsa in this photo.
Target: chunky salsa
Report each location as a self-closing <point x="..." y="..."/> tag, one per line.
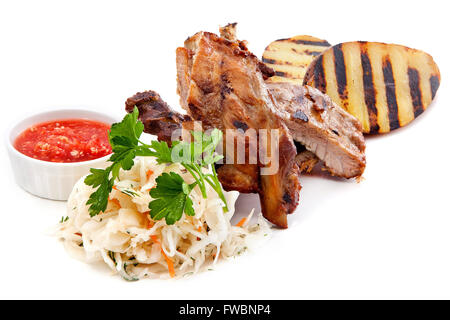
<point x="70" y="140"/>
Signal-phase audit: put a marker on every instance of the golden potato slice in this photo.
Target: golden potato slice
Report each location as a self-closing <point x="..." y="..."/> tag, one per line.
<point x="291" y="57"/>
<point x="386" y="86"/>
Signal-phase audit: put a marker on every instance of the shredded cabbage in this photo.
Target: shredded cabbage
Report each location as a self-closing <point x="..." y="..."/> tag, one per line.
<point x="135" y="246"/>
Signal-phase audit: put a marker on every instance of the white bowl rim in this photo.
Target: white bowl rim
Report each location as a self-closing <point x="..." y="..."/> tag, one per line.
<point x="50" y="111"/>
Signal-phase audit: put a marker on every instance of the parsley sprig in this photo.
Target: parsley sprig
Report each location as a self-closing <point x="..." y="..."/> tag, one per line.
<point x="171" y="194"/>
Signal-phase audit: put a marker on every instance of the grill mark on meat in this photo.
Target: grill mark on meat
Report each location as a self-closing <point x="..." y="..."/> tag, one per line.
<point x="225" y="87"/>
<point x="287" y="198"/>
<point x="335" y="132"/>
<point x="240" y="125"/>
<point x="391" y="96"/>
<point x="416" y="93"/>
<point x="369" y="91"/>
<point x="299" y="114"/>
<point x="206" y="86"/>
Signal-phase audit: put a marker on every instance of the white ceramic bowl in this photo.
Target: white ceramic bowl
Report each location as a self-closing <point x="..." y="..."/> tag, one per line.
<point x="49" y="179"/>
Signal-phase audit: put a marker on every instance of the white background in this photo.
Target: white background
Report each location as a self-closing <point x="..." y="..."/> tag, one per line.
<point x="387" y="237"/>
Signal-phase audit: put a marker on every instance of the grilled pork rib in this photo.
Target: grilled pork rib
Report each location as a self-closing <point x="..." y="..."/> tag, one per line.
<point x="157" y="116"/>
<point x="327" y="131"/>
<point x="222" y="84"/>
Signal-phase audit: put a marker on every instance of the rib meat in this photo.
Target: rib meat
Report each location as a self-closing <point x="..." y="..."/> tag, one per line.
<point x="324" y="128"/>
<point x="158" y="117"/>
<point x="222" y="84"/>
<point x="321" y="130"/>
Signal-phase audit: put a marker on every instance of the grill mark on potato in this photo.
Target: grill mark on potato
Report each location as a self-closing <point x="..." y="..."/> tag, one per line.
<point x="292" y="56"/>
<point x="271" y="61"/>
<point x="416" y="93"/>
<point x="434" y="83"/>
<point x="281" y="74"/>
<point x="313" y="53"/>
<point x="391" y="96"/>
<point x="390" y="99"/>
<point x="281" y="63"/>
<point x="278" y="63"/>
<point x="369" y="92"/>
<point x="312" y="43"/>
<point x="340" y="70"/>
<point x="319" y="76"/>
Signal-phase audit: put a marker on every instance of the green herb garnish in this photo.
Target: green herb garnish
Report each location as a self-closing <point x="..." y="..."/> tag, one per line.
<point x="171" y="194"/>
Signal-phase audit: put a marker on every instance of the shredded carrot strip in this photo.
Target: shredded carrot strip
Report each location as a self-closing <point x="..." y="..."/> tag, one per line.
<point x="199" y="230"/>
<point x="149" y="173"/>
<point x="78" y="234"/>
<point x="116" y="202"/>
<point x="241" y="223"/>
<point x="169" y="264"/>
<point x="150" y="223"/>
<point x="168" y="260"/>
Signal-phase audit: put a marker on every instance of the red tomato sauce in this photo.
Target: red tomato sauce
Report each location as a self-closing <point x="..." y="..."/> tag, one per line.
<point x="70" y="140"/>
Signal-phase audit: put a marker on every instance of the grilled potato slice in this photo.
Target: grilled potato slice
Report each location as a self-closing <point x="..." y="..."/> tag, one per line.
<point x="385" y="86"/>
<point x="291" y="57"/>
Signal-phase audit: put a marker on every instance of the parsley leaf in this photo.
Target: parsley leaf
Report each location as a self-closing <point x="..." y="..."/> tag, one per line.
<point x="127" y="132"/>
<point x="98" y="200"/>
<point x="171" y="198"/>
<point x="97" y="177"/>
<point x="124" y="140"/>
<point x="161" y="151"/>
